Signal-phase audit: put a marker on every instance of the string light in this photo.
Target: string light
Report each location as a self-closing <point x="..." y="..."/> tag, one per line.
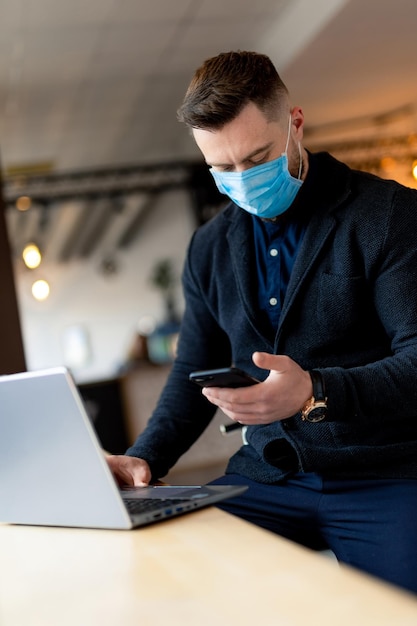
<point x="31" y="256"/>
<point x="40" y="289"/>
<point x="414" y="169"/>
<point x="23" y="203"/>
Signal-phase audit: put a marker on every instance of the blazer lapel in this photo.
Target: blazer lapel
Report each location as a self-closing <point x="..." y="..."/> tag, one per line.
<point x="324" y="199"/>
<point x="314" y="239"/>
<point x="242" y="253"/>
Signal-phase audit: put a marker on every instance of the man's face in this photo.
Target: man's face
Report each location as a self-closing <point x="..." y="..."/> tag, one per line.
<point x="251" y="139"/>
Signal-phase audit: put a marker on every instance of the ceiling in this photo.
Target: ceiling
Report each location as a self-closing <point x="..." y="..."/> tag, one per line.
<point x="90" y="84"/>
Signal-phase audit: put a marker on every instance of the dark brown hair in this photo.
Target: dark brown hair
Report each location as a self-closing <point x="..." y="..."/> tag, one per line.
<point x="224" y="84"/>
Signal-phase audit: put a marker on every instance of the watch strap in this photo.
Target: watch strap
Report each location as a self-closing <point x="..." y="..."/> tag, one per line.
<point x="319" y="393"/>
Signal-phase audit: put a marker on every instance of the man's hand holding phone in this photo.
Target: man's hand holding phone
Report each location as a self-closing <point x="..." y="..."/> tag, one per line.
<point x="286" y="389"/>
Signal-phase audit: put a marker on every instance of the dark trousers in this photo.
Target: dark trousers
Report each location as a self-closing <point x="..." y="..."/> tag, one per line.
<point x="368" y="524"/>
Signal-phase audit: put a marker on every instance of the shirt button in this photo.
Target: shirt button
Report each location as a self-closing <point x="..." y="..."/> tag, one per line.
<point x="273" y="252"/>
<point x="273" y="301"/>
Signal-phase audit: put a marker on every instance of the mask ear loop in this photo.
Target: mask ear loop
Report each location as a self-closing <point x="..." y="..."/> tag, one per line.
<point x="288" y="135"/>
<point x="300" y="167"/>
<point x="301" y="162"/>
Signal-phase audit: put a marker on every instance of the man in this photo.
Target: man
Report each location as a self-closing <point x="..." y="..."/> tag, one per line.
<point x="307" y="280"/>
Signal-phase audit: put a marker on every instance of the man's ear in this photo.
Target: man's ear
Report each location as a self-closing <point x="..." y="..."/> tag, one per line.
<point x="297" y="117"/>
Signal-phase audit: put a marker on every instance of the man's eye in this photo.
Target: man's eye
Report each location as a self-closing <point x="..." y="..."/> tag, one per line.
<point x="258" y="161"/>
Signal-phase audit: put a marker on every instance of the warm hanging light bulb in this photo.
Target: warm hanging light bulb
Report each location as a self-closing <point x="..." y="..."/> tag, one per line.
<point x="23" y="203"/>
<point x="40" y="289"/>
<point x="414" y="169"/>
<point x="32" y="256"/>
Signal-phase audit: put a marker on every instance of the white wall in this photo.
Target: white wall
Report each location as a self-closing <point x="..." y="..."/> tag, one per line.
<point x="108" y="307"/>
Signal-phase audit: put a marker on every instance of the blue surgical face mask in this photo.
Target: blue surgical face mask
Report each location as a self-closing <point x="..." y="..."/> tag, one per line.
<point x="265" y="190"/>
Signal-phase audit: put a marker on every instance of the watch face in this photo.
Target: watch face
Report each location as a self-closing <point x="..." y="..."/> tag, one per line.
<point x="317" y="414"/>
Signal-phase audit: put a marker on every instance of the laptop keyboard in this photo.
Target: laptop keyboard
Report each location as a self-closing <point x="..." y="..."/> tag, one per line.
<point x="147" y="505"/>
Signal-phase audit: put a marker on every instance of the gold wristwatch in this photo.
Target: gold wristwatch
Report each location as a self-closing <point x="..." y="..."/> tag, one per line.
<point x="315" y="410"/>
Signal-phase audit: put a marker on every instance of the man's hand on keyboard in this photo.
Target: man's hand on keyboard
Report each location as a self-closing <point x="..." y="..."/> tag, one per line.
<point x="129" y="470"/>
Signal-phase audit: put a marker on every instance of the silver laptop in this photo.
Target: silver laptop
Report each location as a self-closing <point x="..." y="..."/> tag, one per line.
<point x="53" y="471"/>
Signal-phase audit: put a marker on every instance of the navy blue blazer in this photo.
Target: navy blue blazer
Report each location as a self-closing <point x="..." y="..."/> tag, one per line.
<point x="350" y="311"/>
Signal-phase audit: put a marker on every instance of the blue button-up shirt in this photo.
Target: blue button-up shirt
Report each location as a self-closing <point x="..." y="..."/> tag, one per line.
<point x="276" y="247"/>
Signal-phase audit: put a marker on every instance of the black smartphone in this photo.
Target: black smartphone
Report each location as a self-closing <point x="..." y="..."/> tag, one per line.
<point x="223" y="377"/>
